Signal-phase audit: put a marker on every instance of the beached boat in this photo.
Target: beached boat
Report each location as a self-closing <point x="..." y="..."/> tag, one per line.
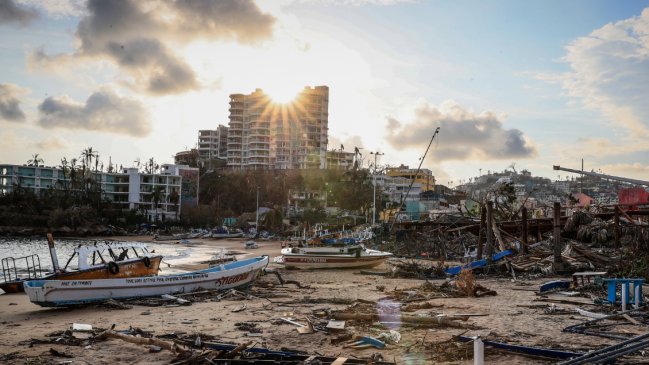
<point x="60" y="293"/>
<point x="224" y="232"/>
<point x="173" y="237"/>
<point x="350" y="257"/>
<point x="98" y="261"/>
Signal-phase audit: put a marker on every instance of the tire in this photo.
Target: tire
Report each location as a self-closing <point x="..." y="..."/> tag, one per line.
<point x="147" y="261"/>
<point x="113" y="268"/>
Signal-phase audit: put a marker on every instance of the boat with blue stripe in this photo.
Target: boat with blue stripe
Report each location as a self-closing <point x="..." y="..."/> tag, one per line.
<point x="63" y="293"/>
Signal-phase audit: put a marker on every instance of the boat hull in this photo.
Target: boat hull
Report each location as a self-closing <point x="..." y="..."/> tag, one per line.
<point x="126" y="269"/>
<point x="330" y="262"/>
<point x="62" y="293"/>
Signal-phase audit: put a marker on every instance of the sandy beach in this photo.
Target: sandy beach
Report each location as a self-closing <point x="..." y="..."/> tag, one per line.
<point x="510" y="315"/>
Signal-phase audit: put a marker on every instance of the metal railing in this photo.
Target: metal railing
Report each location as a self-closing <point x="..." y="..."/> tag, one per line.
<point x="32" y="263"/>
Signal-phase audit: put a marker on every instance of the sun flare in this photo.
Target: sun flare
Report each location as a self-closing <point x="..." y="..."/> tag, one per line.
<point x="282" y="94"/>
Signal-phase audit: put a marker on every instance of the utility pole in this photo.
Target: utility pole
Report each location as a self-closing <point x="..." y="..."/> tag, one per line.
<point x="374" y="187"/>
<point x="257" y="214"/>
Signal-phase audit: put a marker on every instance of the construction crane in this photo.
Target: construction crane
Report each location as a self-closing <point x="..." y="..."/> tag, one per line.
<point x="603" y="176"/>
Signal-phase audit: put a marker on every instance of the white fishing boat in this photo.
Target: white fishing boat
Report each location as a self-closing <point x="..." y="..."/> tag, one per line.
<point x="60" y="293"/>
<point x="225" y="232"/>
<point x="349" y="257"/>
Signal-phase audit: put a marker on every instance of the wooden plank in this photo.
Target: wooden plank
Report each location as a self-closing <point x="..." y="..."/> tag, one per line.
<point x="339" y="361"/>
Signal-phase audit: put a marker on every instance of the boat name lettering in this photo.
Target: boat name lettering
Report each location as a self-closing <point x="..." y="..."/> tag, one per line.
<point x="313" y="259"/>
<point x="167" y="279"/>
<point x="76" y="282"/>
<point x="232" y="279"/>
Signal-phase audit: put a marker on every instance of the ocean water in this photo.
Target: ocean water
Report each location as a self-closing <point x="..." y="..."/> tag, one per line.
<point x="173" y="254"/>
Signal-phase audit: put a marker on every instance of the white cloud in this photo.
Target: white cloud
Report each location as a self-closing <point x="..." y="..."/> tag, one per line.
<point x="610" y="73"/>
<point x="52" y="143"/>
<point x="10" y="109"/>
<point x="464" y="134"/>
<point x="58" y="8"/>
<point x="103" y="111"/>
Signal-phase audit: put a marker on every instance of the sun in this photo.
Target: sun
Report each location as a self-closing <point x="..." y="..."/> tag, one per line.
<point x="281" y="94"/>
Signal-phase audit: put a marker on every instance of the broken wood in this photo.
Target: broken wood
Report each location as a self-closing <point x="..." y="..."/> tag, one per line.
<point x="439" y="320"/>
<point x="169" y="346"/>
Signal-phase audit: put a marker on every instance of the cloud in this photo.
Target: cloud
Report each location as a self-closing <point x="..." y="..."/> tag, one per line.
<point x="10" y="12"/>
<point x="57" y="8"/>
<point x="142" y="37"/>
<point x="51" y="143"/>
<point x="610" y="72"/>
<point x="464" y="135"/>
<point x="103" y="111"/>
<point x="10" y="103"/>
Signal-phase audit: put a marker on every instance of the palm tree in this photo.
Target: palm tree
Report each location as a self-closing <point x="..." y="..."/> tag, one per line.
<point x="64" y="170"/>
<point x="156" y="196"/>
<point x="35" y="161"/>
<point x="73" y="172"/>
<point x="174" y="198"/>
<point x="151" y="166"/>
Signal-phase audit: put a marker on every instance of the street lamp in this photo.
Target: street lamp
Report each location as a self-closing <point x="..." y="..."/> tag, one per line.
<point x="376" y="154"/>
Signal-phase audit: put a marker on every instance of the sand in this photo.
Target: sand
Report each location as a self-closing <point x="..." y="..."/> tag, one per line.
<point x="508" y="318"/>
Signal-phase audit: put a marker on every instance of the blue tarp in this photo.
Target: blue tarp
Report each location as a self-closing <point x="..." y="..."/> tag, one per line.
<point x="475" y="264"/>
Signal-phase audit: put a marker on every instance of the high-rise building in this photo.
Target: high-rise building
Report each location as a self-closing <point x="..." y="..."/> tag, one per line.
<point x="213" y="144"/>
<point x="267" y="135"/>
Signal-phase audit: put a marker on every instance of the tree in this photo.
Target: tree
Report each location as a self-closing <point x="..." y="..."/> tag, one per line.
<point x="156" y="197"/>
<point x="174" y="198"/>
<point x="35" y="160"/>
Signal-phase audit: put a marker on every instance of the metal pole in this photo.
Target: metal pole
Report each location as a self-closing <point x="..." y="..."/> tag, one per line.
<point x="257" y="213"/>
<point x="558" y="261"/>
<point x="55" y="260"/>
<point x="478" y="352"/>
<point x="490" y="246"/>
<point x="524" y="229"/>
<point x="481" y="233"/>
<point x="374" y="194"/>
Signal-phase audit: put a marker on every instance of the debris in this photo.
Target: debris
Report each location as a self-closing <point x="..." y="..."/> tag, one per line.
<point x="610" y="353"/>
<point x="169" y="346"/>
<point x="554" y="285"/>
<point x="366" y="342"/>
<point x="336" y="325"/>
<point x="527" y="350"/>
<point x="391" y="337"/>
<point x="343" y="338"/>
<point x="240" y="308"/>
<point x="180" y="301"/>
<point x="60" y="353"/>
<point x="306" y="329"/>
<point x="81" y="327"/>
<point x="154" y="349"/>
<point x="293" y="322"/>
<point x="590" y="314"/>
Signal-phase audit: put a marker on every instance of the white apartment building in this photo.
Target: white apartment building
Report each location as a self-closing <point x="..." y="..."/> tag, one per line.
<point x="213" y="144"/>
<point x="130" y="188"/>
<point x="268" y="135"/>
<point x="394" y="188"/>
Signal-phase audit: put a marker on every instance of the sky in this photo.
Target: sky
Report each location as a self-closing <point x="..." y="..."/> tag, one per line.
<point x="528" y="84"/>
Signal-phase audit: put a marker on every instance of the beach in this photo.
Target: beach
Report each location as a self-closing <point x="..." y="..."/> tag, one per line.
<point x="510" y="315"/>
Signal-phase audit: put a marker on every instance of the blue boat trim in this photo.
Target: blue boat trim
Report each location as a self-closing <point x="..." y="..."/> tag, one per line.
<point x="555" y="284"/>
<point x="476" y="264"/>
